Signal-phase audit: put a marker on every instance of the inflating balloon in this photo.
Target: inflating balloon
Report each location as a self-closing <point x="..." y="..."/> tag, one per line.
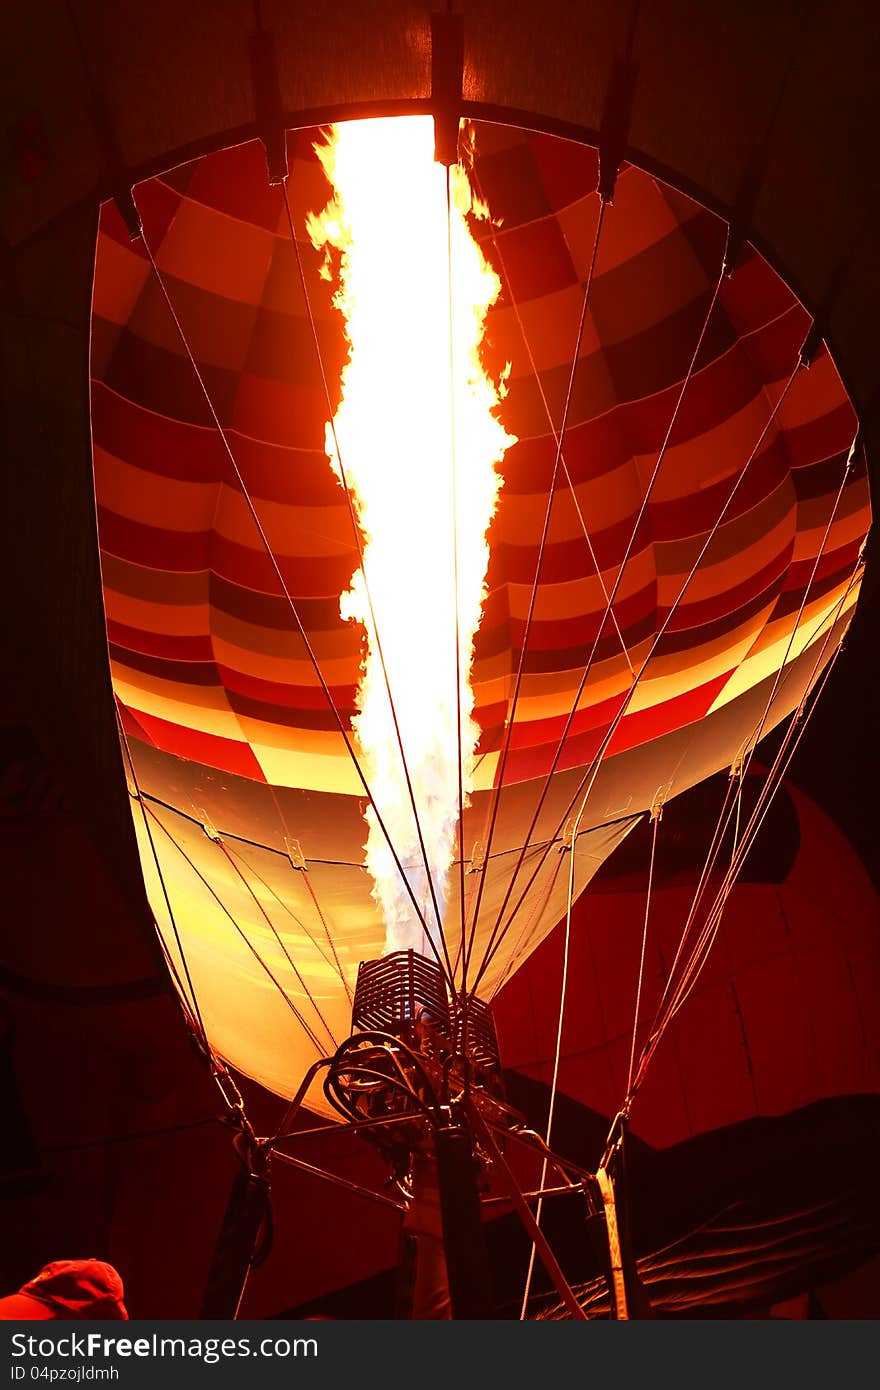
<point x="672" y="559"/>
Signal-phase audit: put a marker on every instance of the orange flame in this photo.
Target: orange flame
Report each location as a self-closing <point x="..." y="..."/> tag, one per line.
<point x="418" y="440"/>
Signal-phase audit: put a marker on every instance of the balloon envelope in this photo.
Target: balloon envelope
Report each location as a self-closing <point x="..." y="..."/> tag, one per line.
<point x="255" y="810"/>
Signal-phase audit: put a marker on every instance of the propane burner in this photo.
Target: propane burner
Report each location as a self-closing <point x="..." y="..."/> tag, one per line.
<point x="406" y="995"/>
<point x="418" y="1054"/>
<point x="399" y="994"/>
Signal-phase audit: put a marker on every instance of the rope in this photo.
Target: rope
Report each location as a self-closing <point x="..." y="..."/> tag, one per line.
<point x="536" y="913"/>
<point x="774" y="781"/>
<point x="591" y="772"/>
<point x="511" y="718"/>
<point x="337" y="1181"/>
<point x="220" y="903"/>
<point x="508" y="292"/>
<point x="721" y="825"/>
<point x="271" y="925"/>
<point x="548" y="1259"/>
<point x="714" y="921"/>
<point x="656" y="818"/>
<point x="314" y="897"/>
<point x="745" y="761"/>
<point x="699" y="956"/>
<point x="292" y="915"/>
<point x="798" y="722"/>
<point x="613" y="595"/>
<point x="304" y="868"/>
<point x="847" y="470"/>
<point x="224" y="1081"/>
<point x="194" y="1014"/>
<point x="563" y="988"/>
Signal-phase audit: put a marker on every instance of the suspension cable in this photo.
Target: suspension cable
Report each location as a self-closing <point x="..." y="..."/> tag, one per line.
<point x="511" y="718"/>
<point x="225" y="1082"/>
<point x="618" y="580"/>
<point x="551" y="1110"/>
<point x="741" y="850"/>
<point x="194" y="1013"/>
<point x="530" y="926"/>
<point x="847" y="471"/>
<point x="253" y="950"/>
<point x="548" y="1259"/>
<point x="592" y="770"/>
<point x="285" y="907"/>
<point x="721" y="824"/>
<point x="508" y="291"/>
<point x="656" y="816"/>
<point x="794" y="733"/>
<point x="274" y="930"/>
<point x="740" y="770"/>
<point x="289" y="839"/>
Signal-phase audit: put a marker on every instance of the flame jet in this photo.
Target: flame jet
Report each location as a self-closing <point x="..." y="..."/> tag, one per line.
<point x="418" y="438"/>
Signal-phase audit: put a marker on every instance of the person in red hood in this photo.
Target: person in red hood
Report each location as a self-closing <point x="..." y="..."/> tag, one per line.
<point x="88" y="1289"/>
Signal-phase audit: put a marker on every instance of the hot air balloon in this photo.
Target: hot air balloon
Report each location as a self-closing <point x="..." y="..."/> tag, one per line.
<point x="675" y="553"/>
<point x="684" y="590"/>
<point x="259" y="825"/>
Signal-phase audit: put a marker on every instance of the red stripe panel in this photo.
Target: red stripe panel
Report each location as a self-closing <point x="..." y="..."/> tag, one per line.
<point x="190" y="551"/>
<point x="570" y="559"/>
<point x="822" y="479"/>
<point x="272" y="610"/>
<point x="544" y="734"/>
<point x="754" y="293"/>
<point x="536" y="259"/>
<point x="188" y="673"/>
<point x="168" y="448"/>
<point x="567" y="170"/>
<point x="633" y="730"/>
<point x="287" y="697"/>
<point x="824" y="438"/>
<point x="279" y="716"/>
<point x="297" y="476"/>
<point x="696" y="513"/>
<point x="184" y="551"/>
<point x="132" y="726"/>
<point x="235" y="182"/>
<point x="597" y="446"/>
<point x="224" y="753"/>
<point x="167" y="645"/>
<point x="647" y="724"/>
<point x="552" y="634"/>
<point x="697" y="615"/>
<point x="192" y="453"/>
<point x="280" y="411"/>
<point x="834" y="565"/>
